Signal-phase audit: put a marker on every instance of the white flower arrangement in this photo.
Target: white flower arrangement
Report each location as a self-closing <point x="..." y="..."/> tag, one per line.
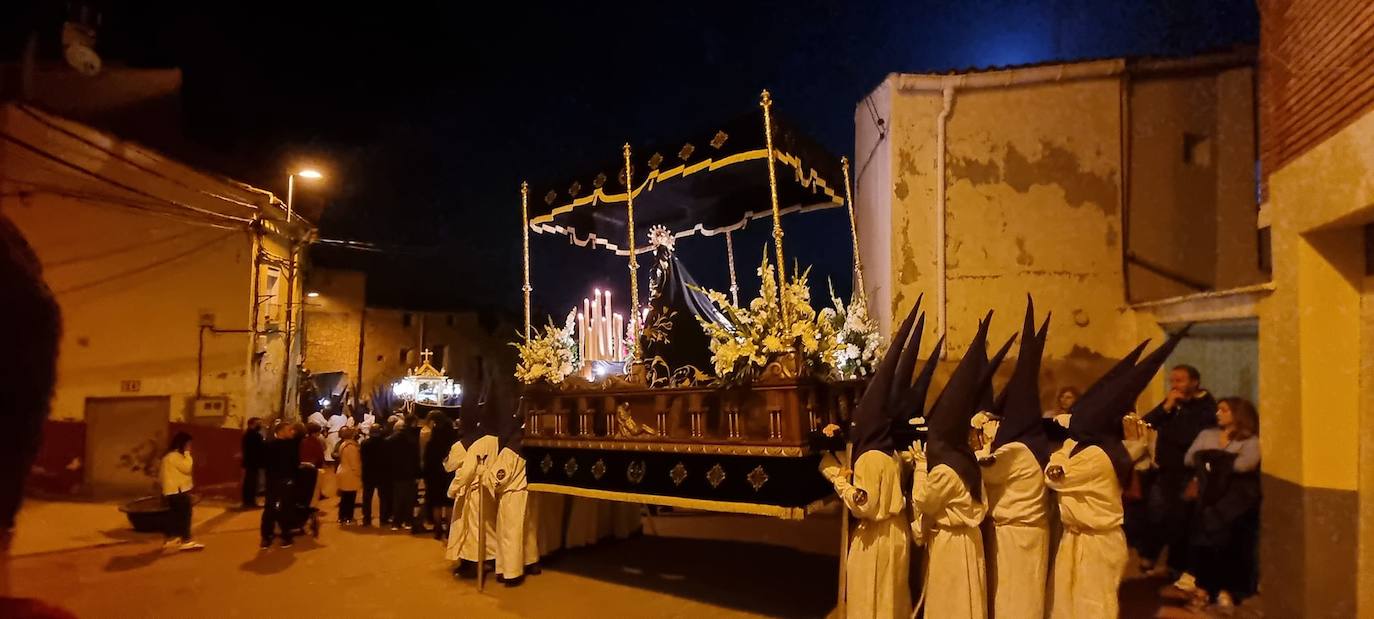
<point x="759" y="332"/>
<point x="550" y="356"/>
<point x="857" y="342"/>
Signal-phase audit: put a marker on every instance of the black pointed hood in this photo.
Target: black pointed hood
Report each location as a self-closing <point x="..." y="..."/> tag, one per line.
<point x="873" y="417"/>
<point x="1096" y="418"/>
<point x="948" y="439"/>
<point x="470" y="413"/>
<point x="1019" y="404"/>
<point x="512" y="430"/>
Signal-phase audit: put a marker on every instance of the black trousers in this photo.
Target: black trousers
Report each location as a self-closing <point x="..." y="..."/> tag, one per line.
<point x="278" y="511"/>
<point x="1170" y="519"/>
<point x="404" y="493"/>
<point x="1229" y="564"/>
<point x="179" y="516"/>
<point x="347" y="498"/>
<point x="382" y="490"/>
<point x="250" y="485"/>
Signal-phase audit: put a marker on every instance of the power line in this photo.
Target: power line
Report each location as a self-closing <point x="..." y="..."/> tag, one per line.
<point x="143" y="268"/>
<point x="106" y="200"/>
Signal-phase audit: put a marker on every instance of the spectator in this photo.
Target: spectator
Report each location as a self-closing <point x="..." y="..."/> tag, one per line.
<point x="441" y="438"/>
<point x="252" y="453"/>
<point x="1063" y="403"/>
<point x="376" y="463"/>
<point x="349" y="476"/>
<point x="1186" y="411"/>
<point x="404" y="450"/>
<point x="1226" y="521"/>
<point x="281" y="459"/>
<point x="176" y="490"/>
<point x="312" y="446"/>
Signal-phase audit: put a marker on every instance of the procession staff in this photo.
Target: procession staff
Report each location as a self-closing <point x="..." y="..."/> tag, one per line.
<point x="517" y="547"/>
<point x="1018" y="505"/>
<point x="878" y="558"/>
<point x="947" y="490"/>
<point x="1087" y="474"/>
<point x="478" y="516"/>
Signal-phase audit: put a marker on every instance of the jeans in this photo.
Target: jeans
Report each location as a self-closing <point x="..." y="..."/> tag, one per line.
<point x="250" y="486"/>
<point x="404" y="493"/>
<point x="179" y="516"/>
<point x="382" y="490"/>
<point x="346" y="502"/>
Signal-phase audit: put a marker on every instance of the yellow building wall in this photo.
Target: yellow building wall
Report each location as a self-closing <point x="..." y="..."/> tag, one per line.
<point x="134" y="289"/>
<point x="1313" y="344"/>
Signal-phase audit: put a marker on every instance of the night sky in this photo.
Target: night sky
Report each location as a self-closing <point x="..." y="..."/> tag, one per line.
<point x="427" y="116"/>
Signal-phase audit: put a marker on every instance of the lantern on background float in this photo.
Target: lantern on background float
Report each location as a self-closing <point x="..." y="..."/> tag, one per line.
<point x="427" y="385"/>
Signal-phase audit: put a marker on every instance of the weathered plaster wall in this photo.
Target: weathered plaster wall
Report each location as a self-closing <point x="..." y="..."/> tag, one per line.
<point x="873" y="197"/>
<point x="1033" y="206"/>
<point x="385" y="334"/>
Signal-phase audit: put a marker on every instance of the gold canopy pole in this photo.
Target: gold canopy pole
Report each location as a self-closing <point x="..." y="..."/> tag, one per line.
<point x="767" y="103"/>
<point x="853" y="232"/>
<point x="634" y="263"/>
<point x="730" y="255"/>
<point x="525" y="228"/>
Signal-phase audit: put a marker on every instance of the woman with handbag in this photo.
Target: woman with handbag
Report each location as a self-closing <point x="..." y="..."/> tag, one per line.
<point x="1226" y="487"/>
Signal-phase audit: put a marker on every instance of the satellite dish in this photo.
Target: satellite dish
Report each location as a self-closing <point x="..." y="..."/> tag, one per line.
<point x="78" y="47"/>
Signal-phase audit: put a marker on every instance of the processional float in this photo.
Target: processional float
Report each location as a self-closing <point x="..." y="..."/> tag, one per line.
<point x="693" y="399"/>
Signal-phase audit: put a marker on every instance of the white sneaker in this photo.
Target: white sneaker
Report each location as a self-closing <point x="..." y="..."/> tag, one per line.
<point x="1186" y="583"/>
<point x="171" y="543"/>
<point x="191" y="546"/>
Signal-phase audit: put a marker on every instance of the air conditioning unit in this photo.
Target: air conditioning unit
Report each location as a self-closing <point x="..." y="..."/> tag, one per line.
<point x="215" y="406"/>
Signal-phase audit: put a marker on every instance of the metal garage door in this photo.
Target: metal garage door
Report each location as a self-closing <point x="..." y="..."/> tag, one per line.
<point x="125" y="438"/>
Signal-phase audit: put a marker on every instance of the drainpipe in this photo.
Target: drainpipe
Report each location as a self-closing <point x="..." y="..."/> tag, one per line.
<point x="941" y="274"/>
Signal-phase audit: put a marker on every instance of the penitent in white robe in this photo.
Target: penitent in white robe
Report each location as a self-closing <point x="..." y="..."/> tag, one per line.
<point x="1091" y="557"/>
<point x="516" y="544"/>
<point x="947" y="519"/>
<point x="1019" y="551"/>
<point x="879" y="549"/>
<point x="462" y="537"/>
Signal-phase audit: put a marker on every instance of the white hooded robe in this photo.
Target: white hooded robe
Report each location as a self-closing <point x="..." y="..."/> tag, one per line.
<point x="517" y="545"/>
<point x="947" y="519"/>
<point x="462" y="538"/>
<point x="1091" y="557"/>
<point x="879" y="548"/>
<point x="1019" y="549"/>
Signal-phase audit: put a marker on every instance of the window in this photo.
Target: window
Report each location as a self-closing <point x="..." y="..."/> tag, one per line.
<point x="269" y="296"/>
<point x="439" y="360"/>
<point x="1197" y="149"/>
<point x="449" y="319"/>
<point x="404" y="358"/>
<point x="406" y="319"/>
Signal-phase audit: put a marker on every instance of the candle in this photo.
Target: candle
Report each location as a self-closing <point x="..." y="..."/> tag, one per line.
<point x="619" y="334"/>
<point x="586" y="335"/>
<point x="581" y="336"/>
<point x="596" y="325"/>
<point x="607" y="334"/>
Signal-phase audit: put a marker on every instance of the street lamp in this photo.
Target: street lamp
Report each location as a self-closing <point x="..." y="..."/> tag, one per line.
<point x="291" y="186"/>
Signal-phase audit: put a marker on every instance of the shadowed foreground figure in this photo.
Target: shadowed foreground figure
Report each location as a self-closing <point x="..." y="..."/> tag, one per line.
<point x="28" y="370"/>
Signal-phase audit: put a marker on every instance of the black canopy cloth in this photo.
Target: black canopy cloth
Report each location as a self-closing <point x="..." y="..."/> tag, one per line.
<point x="713" y="182"/>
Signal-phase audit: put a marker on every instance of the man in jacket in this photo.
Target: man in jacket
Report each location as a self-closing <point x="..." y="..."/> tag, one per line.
<point x="1187" y="410"/>
<point x="252" y="447"/>
<point x="404" y="448"/>
<point x="376" y="474"/>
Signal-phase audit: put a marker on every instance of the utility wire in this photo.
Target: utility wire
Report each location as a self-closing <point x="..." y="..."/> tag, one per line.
<point x="144" y="267"/>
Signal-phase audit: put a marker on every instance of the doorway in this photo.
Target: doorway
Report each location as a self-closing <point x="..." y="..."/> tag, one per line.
<point x="125" y="438"/>
<point x="1226" y="353"/>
